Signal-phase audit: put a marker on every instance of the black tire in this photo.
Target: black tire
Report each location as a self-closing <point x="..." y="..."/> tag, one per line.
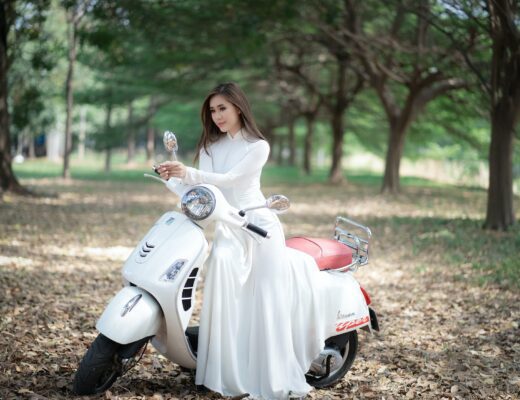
<point x="348" y="351"/>
<point x="102" y="364"/>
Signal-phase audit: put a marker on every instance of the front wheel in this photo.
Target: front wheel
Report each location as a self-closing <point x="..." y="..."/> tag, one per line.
<point x="104" y="362"/>
<point x="334" y="361"/>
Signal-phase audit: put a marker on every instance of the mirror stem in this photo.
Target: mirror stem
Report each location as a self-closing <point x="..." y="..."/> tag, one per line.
<point x="243" y="212"/>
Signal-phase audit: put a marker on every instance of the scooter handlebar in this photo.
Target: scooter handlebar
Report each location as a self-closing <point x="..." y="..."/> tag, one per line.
<point x="259" y="231"/>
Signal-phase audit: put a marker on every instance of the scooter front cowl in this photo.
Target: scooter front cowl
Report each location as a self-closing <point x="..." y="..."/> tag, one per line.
<point x="131" y="315"/>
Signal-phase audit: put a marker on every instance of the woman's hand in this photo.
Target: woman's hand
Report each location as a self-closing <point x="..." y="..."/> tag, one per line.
<point x="171" y="169"/>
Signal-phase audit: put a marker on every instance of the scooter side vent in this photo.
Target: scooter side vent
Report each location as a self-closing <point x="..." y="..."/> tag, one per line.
<point x="146" y="248"/>
<point x="187" y="291"/>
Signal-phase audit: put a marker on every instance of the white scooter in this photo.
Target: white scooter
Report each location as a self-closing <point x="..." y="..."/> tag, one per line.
<point x="161" y="278"/>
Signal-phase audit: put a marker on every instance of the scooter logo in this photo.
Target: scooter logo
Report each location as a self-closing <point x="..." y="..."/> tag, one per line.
<point x="131" y="304"/>
<point x="348" y="325"/>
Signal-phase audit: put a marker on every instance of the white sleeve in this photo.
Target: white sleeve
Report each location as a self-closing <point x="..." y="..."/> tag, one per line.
<point x="252" y="162"/>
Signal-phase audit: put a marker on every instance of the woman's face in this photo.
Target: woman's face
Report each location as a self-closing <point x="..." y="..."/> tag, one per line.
<point x="224" y="114"/>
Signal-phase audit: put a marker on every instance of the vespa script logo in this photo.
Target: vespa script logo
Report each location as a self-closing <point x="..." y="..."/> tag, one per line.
<point x="349" y="325"/>
<point x="131" y="304"/>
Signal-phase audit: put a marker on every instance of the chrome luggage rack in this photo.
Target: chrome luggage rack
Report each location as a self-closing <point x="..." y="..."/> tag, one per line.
<point x="358" y="242"/>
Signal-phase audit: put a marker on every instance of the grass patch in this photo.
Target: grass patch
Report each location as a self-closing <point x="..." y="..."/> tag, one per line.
<point x="459" y="242"/>
<point x="92" y="168"/>
<point x="273" y="174"/>
<point x="89" y="169"/>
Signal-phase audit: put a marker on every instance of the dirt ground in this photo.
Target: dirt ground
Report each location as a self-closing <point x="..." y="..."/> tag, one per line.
<point x="442" y="336"/>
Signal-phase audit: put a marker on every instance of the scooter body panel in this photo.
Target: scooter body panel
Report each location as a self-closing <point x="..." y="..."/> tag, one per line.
<point x="131" y="315"/>
<point x="353" y="312"/>
<point x="167" y="263"/>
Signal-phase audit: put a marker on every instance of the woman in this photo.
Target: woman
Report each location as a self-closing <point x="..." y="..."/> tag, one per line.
<point x="254" y="336"/>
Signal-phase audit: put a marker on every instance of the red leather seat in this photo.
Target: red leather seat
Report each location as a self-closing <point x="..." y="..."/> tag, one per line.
<point x="328" y="253"/>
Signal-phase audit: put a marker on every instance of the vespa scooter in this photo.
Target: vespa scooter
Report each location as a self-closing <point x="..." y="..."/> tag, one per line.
<point x="160" y="280"/>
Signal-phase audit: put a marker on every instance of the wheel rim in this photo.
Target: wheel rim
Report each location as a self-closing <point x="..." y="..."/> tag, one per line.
<point x="344" y="359"/>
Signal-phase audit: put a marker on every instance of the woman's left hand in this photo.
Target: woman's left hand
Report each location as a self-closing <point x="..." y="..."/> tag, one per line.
<point x="171" y="169"/>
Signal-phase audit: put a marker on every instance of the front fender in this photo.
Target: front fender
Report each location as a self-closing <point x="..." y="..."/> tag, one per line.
<point x="132" y="314"/>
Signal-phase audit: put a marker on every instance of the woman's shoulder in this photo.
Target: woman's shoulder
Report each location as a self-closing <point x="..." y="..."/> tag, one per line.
<point x="255" y="141"/>
<point x="259" y="145"/>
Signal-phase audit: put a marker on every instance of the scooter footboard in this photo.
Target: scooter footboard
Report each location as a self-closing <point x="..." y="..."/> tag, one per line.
<point x="132" y="314"/>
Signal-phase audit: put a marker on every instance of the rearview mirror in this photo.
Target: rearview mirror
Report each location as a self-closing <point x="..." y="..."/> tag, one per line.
<point x="278" y="203"/>
<point x="170" y="143"/>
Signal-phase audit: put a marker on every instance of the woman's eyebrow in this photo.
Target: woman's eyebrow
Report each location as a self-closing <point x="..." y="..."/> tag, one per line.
<point x="218" y="105"/>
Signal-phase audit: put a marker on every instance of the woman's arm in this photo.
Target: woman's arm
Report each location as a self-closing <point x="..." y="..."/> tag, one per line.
<point x="176" y="169"/>
<point x="252" y="162"/>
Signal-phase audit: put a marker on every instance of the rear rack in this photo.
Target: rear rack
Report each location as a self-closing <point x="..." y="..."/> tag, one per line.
<point x="358" y="241"/>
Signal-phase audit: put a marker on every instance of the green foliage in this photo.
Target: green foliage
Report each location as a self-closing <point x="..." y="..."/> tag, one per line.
<point x="452" y="128"/>
<point x="33" y="53"/>
<point x="175" y="52"/>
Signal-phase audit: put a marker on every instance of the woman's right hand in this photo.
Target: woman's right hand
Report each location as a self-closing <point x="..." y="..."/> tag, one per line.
<point x="171" y="169"/>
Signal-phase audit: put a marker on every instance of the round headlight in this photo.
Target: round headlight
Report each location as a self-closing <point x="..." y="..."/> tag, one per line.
<point x="198" y="203"/>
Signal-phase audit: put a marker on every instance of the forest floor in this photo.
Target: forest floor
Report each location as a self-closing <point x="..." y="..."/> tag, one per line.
<point x="449" y="319"/>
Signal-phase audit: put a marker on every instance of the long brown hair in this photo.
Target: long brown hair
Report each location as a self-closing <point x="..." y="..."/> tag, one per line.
<point x="210" y="132"/>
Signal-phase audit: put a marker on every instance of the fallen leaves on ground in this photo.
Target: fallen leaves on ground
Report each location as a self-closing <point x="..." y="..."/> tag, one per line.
<point x="442" y="337"/>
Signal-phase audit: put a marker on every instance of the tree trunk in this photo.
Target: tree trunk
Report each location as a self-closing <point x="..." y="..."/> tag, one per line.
<point x="292" y="142"/>
<point x="18" y="143"/>
<point x="82" y="132"/>
<point x="394" y="154"/>
<point x="336" y="171"/>
<point x="500" y="214"/>
<point x="307" y="153"/>
<point x="505" y="112"/>
<point x="69" y="91"/>
<point x="108" y="154"/>
<point x="279" y="158"/>
<point x="8" y="181"/>
<point x="337" y="110"/>
<point x="30" y="146"/>
<point x="150" y="131"/>
<point x="131" y="136"/>
<point x="150" y="143"/>
<point x="108" y="160"/>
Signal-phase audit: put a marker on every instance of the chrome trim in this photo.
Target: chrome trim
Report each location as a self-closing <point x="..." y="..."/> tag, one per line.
<point x="244" y="210"/>
<point x="130" y="304"/>
<point x="319" y="365"/>
<point x="357" y="242"/>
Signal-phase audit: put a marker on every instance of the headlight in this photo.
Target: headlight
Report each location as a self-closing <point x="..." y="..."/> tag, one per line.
<point x="198" y="203"/>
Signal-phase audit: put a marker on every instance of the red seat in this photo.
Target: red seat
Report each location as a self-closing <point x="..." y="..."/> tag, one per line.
<point x="328" y="253"/>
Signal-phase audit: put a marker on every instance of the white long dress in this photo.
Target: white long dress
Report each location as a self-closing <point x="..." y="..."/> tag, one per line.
<point x="262" y="321"/>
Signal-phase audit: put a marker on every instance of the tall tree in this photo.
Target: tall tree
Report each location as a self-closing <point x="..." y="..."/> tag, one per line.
<point x="331" y="80"/>
<point x="487" y="37"/>
<point x="504" y="110"/>
<point x="75" y="10"/>
<point x="131" y="135"/>
<point x="302" y="103"/>
<point x="28" y="26"/>
<point x="402" y="63"/>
